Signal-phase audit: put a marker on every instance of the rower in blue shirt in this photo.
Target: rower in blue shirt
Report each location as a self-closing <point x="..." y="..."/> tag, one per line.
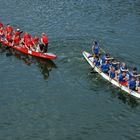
<point x="123" y="78"/>
<point x="105" y="57"/>
<point x="115" y="65"/>
<point x="95" y="48"/>
<point x="97" y="61"/>
<point x="105" y="67"/>
<point x="112" y="73"/>
<point x="123" y="67"/>
<point x="132" y="83"/>
<point x="138" y="86"/>
<point x="132" y="73"/>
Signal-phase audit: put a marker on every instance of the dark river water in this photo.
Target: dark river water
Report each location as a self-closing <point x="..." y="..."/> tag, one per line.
<point x="62" y="99"/>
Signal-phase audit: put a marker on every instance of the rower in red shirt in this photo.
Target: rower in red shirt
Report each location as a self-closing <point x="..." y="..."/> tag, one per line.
<point x="35" y="42"/>
<point x="2" y="32"/>
<point x="16" y="40"/>
<point x="44" y="43"/>
<point x="9" y="37"/>
<point x="29" y="44"/>
<point x="1" y="25"/>
<point x="8" y="29"/>
<point x="17" y="32"/>
<point x="26" y="36"/>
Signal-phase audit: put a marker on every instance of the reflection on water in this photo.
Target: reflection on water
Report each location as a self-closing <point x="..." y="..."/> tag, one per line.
<point x="45" y="65"/>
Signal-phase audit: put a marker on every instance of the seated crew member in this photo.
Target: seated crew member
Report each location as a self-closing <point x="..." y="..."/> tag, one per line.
<point x="25" y="38"/>
<point x="96" y="61"/>
<point x="95" y="48"/>
<point x="132" y="83"/>
<point x="8" y="29"/>
<point x="138" y="86"/>
<point x="35" y="42"/>
<point x="44" y="43"/>
<point x="115" y="65"/>
<point x="105" y="57"/>
<point x="123" y="78"/>
<point x="112" y="73"/>
<point x="9" y="37"/>
<point x="123" y="67"/>
<point x="16" y="40"/>
<point x="17" y="32"/>
<point x="105" y="67"/>
<point x="2" y="32"/>
<point x="132" y="73"/>
<point x="1" y="24"/>
<point x="28" y="44"/>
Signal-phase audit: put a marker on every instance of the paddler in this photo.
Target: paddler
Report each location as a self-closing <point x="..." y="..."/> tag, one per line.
<point x="28" y="43"/>
<point x="105" y="57"/>
<point x="1" y="24"/>
<point x="96" y="61"/>
<point x="8" y="29"/>
<point x="123" y="78"/>
<point x="44" y="43"/>
<point x="112" y="73"/>
<point x="9" y="37"/>
<point x="95" y="48"/>
<point x="25" y="38"/>
<point x="18" y="32"/>
<point x="132" y="83"/>
<point x="35" y="41"/>
<point x="1" y="30"/>
<point x="16" y="40"/>
<point x="132" y="73"/>
<point x="138" y="85"/>
<point x="105" y="67"/>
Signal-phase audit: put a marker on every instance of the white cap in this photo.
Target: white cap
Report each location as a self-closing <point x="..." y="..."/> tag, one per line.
<point x="18" y="29"/>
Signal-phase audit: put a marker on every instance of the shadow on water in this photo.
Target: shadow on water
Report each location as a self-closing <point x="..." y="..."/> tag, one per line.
<point x="45" y="65"/>
<point x="114" y="91"/>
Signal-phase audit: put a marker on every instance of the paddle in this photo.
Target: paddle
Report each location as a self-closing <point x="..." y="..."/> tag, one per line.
<point x="137" y="75"/>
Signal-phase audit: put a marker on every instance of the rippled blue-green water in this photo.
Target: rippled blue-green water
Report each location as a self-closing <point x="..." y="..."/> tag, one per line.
<point x="63" y="100"/>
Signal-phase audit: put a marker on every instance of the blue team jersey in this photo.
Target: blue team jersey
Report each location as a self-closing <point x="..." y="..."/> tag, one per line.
<point x="105" y="68"/>
<point x="104" y="58"/>
<point x="96" y="62"/>
<point x="132" y="84"/>
<point x="115" y="66"/>
<point x="123" y="68"/>
<point x="112" y="74"/>
<point x="96" y="49"/>
<point x="131" y="74"/>
<point x="122" y="78"/>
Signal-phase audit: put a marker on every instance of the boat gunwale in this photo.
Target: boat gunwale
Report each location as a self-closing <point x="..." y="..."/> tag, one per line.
<point x="105" y="76"/>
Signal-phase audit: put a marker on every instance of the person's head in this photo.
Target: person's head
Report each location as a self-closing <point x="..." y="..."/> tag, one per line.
<point x="36" y="36"/>
<point x="97" y="57"/>
<point x="106" y="62"/>
<point x="43" y="33"/>
<point x="112" y="68"/>
<point x="123" y="64"/>
<point x="95" y="42"/>
<point x="133" y="78"/>
<point x="8" y="25"/>
<point x="107" y="55"/>
<point x="123" y="73"/>
<point x="134" y="69"/>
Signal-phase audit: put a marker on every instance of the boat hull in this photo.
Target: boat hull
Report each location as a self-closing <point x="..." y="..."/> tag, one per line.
<point x="89" y="59"/>
<point x="29" y="52"/>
